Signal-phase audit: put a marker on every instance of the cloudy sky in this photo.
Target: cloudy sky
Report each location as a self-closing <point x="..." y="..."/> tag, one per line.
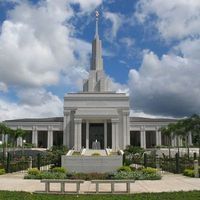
<point x="151" y="50"/>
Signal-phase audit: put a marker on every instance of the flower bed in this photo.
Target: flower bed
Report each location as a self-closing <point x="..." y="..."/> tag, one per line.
<point x="124" y="172"/>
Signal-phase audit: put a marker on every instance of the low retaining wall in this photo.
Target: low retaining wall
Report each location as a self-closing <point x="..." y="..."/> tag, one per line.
<point x="87" y="164"/>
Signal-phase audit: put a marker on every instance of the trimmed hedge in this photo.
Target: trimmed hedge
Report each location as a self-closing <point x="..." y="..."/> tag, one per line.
<point x="124" y="169"/>
<point x="188" y="172"/>
<point x="2" y="171"/>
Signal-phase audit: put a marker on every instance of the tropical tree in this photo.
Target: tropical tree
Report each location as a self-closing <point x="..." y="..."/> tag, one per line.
<point x="187" y="126"/>
<point x="17" y="134"/>
<point x="166" y="130"/>
<point x="4" y="130"/>
<point x="179" y="132"/>
<point x="195" y="129"/>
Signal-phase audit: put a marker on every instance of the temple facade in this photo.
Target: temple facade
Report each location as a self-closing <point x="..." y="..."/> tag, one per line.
<point x="95" y="114"/>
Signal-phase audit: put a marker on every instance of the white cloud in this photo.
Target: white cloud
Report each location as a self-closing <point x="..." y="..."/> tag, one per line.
<point x="175" y="19"/>
<point x="39" y="48"/>
<point x="3" y="87"/>
<point x="87" y="5"/>
<point x="128" y="42"/>
<point x="168" y="85"/>
<point x="116" y="20"/>
<point x="48" y="105"/>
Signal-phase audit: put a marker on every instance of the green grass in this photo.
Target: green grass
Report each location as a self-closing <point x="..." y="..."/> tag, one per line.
<point x="195" y="195"/>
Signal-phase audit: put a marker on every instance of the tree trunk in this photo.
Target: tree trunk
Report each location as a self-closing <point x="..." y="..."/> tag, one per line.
<point x="188" y="148"/>
<point x="169" y="147"/>
<point x="178" y="146"/>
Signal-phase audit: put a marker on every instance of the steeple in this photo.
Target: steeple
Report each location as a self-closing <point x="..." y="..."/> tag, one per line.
<point x="97" y="80"/>
<point x="96" y="60"/>
<point x="97" y="25"/>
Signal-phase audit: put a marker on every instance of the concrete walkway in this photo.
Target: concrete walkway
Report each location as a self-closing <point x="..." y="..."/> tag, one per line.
<point x="169" y="183"/>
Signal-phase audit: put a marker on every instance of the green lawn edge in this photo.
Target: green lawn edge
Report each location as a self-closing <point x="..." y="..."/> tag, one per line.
<point x="192" y="195"/>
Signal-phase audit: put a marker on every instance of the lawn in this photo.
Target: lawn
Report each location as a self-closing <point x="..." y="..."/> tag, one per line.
<point x="195" y="195"/>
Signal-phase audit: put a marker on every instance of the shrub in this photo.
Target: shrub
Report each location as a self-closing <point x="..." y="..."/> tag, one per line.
<point x="2" y="171"/>
<point x="50" y="175"/>
<point x="34" y="171"/>
<point x="96" y="154"/>
<point x="88" y="176"/>
<point x="188" y="172"/>
<point x="46" y="175"/>
<point x="124" y="168"/>
<point x="59" y="170"/>
<point x="149" y="170"/>
<point x="136" y="175"/>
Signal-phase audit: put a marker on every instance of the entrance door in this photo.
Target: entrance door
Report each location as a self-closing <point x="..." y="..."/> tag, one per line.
<point x="96" y="132"/>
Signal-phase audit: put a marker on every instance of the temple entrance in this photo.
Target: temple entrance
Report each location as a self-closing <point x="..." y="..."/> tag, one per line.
<point x="96" y="133"/>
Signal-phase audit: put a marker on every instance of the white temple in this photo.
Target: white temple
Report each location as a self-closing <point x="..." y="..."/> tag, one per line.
<point x="96" y="113"/>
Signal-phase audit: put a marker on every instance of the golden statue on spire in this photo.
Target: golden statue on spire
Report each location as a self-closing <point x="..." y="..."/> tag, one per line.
<point x="97" y="14"/>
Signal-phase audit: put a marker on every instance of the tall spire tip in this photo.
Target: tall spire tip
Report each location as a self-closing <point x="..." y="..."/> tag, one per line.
<point x="97" y="19"/>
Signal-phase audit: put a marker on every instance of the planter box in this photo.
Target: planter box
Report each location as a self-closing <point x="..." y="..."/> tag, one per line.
<point x="88" y="164"/>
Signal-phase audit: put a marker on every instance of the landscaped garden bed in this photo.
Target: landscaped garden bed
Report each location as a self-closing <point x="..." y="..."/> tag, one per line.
<point x="122" y="173"/>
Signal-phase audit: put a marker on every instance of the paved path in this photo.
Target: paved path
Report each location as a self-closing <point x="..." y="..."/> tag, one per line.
<point x="169" y="182"/>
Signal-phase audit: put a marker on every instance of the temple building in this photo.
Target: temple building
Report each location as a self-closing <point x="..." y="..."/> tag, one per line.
<point x="95" y="114"/>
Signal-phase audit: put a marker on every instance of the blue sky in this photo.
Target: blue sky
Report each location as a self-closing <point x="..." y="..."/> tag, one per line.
<point x="151" y="52"/>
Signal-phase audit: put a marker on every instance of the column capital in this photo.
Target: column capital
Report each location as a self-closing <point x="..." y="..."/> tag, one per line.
<point x="34" y="128"/>
<point x="50" y="128"/>
<point x="125" y="112"/>
<point x="115" y="120"/>
<point x="77" y="120"/>
<point x="142" y="128"/>
<point x="67" y="112"/>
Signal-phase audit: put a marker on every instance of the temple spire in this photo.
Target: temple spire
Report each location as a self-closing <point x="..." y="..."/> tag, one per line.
<point x="96" y="60"/>
<point x="97" y="24"/>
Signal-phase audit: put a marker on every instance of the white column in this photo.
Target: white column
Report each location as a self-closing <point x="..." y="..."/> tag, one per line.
<point x="87" y="134"/>
<point x="77" y="134"/>
<point x="143" y="138"/>
<point x="190" y="139"/>
<point x="105" y="134"/>
<point x="180" y="141"/>
<point x="35" y="136"/>
<point x="50" y="137"/>
<point x="126" y="131"/>
<point x="115" y="134"/>
<point x="66" y="130"/>
<point x="158" y="138"/>
<point x="3" y="138"/>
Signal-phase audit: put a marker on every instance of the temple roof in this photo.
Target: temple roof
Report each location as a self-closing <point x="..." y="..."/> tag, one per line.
<point x="143" y="119"/>
<point x="50" y="119"/>
<point x="61" y="119"/>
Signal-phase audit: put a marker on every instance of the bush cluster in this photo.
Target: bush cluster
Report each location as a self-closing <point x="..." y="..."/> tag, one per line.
<point x="188" y="172"/>
<point x="2" y="171"/>
<point x="56" y="173"/>
<point x="96" y="154"/>
<point x="124" y="172"/>
<point x="59" y="170"/>
<point x="124" y="168"/>
<point x="149" y="170"/>
<point x="88" y="176"/>
<point x="138" y="175"/>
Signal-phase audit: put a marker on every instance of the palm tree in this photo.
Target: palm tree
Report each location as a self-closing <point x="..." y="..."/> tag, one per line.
<point x="167" y="132"/>
<point x="4" y="131"/>
<point x="195" y="129"/>
<point x="186" y="125"/>
<point x="16" y="134"/>
<point x="178" y="131"/>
